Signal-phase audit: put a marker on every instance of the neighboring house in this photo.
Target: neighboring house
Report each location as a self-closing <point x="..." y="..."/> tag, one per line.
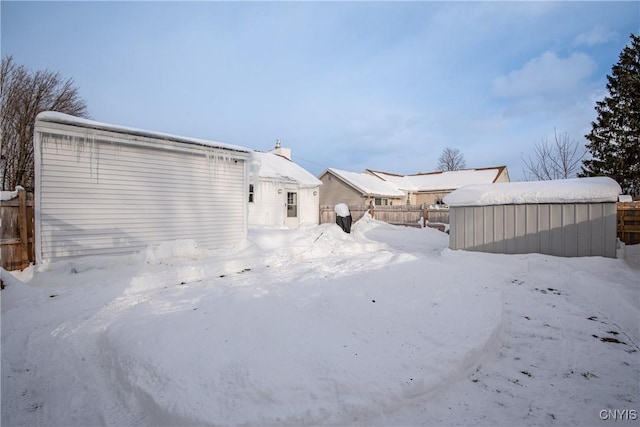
<point x="361" y="189"/>
<point x="104" y="189"/>
<point x="430" y="188"/>
<point x="570" y="217"/>
<point x="281" y="193"/>
<point x="383" y="188"/>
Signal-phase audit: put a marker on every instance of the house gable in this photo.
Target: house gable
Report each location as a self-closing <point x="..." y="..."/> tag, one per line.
<point x="335" y="190"/>
<point x="422" y="188"/>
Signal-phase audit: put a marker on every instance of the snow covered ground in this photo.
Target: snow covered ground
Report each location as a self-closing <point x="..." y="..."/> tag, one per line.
<point x="385" y="326"/>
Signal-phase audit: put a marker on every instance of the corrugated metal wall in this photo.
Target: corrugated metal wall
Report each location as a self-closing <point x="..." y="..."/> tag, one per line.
<point x="100" y="192"/>
<point x="574" y="229"/>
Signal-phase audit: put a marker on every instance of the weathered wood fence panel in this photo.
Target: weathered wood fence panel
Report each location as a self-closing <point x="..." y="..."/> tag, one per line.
<point x="629" y="222"/>
<point x="17" y="242"/>
<point x="399" y="215"/>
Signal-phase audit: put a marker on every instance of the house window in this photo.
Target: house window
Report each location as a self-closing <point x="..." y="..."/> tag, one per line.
<point x="292" y="205"/>
<point x="381" y="202"/>
<point x="250" y="193"/>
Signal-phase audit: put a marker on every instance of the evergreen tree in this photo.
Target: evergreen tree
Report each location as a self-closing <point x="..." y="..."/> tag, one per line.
<point x="614" y="138"/>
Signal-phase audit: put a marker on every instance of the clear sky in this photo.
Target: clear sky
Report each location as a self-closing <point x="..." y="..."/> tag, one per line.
<point x="348" y="85"/>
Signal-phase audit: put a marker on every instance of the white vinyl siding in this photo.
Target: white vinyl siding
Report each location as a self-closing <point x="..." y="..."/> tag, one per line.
<point x="268" y="207"/>
<point x="309" y="206"/>
<point x="101" y="192"/>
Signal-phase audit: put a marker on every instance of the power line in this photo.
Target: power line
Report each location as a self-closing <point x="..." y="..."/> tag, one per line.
<point x="310" y="161"/>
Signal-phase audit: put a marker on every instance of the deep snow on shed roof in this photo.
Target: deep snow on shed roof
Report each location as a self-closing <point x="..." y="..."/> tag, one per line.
<point x="274" y="166"/>
<point x="55" y="117"/>
<point x="577" y="190"/>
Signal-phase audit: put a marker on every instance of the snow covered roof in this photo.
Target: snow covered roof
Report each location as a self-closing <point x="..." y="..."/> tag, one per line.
<point x="276" y="167"/>
<point x="448" y="180"/>
<point x="401" y="182"/>
<point x="577" y="190"/>
<point x="55" y="117"/>
<point x="367" y="183"/>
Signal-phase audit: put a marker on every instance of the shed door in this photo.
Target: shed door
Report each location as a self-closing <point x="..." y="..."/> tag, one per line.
<point x="292" y="219"/>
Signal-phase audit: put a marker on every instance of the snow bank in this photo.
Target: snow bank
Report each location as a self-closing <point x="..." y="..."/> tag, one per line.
<point x="169" y="250"/>
<point x="578" y="190"/>
<point x="313" y="353"/>
<point x="383" y="326"/>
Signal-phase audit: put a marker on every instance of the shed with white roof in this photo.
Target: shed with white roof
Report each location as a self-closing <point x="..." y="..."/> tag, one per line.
<point x="105" y="189"/>
<point x="572" y="217"/>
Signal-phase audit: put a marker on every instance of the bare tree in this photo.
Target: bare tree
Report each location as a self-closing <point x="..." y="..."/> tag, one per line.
<point x="451" y="159"/>
<point x="23" y="95"/>
<point x="560" y="159"/>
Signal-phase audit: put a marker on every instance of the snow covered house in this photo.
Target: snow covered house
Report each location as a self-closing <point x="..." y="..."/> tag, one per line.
<point x="384" y="188"/>
<point x="281" y="193"/>
<point x="431" y="187"/>
<point x="357" y="189"/>
<point x="572" y="217"/>
<point x="105" y="189"/>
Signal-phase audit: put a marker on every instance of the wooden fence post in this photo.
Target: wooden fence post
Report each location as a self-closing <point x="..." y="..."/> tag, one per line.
<point x="424" y="216"/>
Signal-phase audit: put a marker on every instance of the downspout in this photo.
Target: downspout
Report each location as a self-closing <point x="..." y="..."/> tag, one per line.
<point x="37" y="187"/>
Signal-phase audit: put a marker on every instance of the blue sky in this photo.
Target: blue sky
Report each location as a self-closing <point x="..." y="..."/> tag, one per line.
<point x="349" y="85"/>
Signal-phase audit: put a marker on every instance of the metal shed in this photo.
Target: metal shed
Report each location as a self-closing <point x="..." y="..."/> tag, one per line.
<point x="104" y="189"/>
<point x="572" y="217"/>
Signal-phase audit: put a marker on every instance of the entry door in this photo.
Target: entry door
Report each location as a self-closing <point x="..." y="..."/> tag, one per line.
<point x="291" y="219"/>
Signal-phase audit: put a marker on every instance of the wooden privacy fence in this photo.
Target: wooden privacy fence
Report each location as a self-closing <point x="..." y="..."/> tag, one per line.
<point x="629" y="222"/>
<point x="399" y="215"/>
<point x="17" y="247"/>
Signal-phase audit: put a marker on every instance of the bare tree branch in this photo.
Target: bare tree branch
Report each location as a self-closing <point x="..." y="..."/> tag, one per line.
<point x="23" y="95"/>
<point x="451" y="159"/>
<point x="560" y="159"/>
